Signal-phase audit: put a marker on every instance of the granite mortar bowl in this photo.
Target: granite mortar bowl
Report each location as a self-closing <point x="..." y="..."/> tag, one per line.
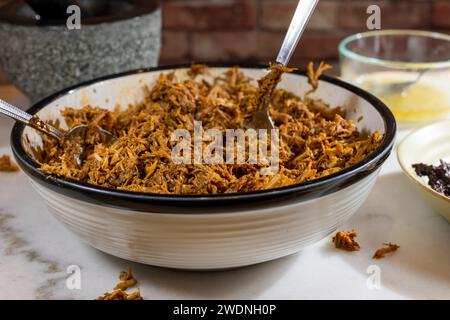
<point x="42" y="57"/>
<point x="206" y="232"/>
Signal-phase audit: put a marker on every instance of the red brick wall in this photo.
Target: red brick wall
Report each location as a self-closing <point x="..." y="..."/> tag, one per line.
<point x="252" y="30"/>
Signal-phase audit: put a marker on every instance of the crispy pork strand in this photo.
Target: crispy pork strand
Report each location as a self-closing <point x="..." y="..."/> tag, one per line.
<point x="6" y="164"/>
<point x="315" y="140"/>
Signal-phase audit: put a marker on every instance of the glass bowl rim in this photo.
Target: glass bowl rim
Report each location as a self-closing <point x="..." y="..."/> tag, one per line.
<point x="344" y="51"/>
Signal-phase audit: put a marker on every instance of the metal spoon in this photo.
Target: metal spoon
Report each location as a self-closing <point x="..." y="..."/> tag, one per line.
<point x="261" y="118"/>
<point x="36" y="123"/>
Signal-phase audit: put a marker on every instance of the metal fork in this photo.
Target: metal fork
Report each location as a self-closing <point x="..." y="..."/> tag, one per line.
<point x="36" y="123"/>
<point x="261" y="118"/>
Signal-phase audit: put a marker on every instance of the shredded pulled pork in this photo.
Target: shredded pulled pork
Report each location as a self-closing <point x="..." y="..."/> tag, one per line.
<point x="388" y="248"/>
<point x="345" y="240"/>
<point x="126" y="281"/>
<point x="268" y="83"/>
<point x="314" y="74"/>
<point x="6" y="165"/>
<point x="315" y="140"/>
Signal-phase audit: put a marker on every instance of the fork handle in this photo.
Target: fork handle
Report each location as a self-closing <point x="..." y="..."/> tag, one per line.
<point x="34" y="122"/>
<point x="14" y="112"/>
<point x="298" y="24"/>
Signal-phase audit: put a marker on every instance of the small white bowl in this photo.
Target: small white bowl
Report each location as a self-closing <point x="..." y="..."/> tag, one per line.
<point x="207" y="231"/>
<point x="427" y="145"/>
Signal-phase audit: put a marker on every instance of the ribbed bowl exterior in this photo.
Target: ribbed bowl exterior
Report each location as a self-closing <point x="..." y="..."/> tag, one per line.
<point x="212" y="240"/>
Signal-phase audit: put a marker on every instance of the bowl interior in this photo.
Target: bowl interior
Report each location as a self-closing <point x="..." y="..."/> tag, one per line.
<point x="129" y="89"/>
<point x="367" y="112"/>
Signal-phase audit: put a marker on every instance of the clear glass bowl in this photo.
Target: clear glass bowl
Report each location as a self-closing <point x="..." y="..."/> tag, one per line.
<point x="409" y="70"/>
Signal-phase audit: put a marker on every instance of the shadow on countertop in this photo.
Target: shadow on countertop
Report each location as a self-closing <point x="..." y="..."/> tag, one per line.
<point x="183" y="284"/>
<point x="423" y="259"/>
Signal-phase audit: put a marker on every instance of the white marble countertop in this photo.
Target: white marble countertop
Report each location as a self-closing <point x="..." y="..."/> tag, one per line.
<point x="35" y="251"/>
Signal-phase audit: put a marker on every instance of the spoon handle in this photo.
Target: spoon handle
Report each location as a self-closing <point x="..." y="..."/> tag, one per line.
<point x="14" y="112"/>
<point x="34" y="122"/>
<point x="298" y="24"/>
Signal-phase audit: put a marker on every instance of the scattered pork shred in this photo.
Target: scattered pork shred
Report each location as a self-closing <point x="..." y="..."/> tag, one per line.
<point x="126" y="281"/>
<point x="345" y="240"/>
<point x="315" y="140"/>
<point x="314" y="74"/>
<point x="6" y="165"/>
<point x="388" y="248"/>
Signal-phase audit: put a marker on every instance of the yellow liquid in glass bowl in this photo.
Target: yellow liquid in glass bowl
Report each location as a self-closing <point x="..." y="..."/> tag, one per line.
<point x="424" y="101"/>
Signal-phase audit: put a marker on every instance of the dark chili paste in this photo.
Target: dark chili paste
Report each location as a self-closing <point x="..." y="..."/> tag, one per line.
<point x="438" y="176"/>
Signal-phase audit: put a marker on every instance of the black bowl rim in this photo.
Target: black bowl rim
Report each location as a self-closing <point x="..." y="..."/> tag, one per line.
<point x="163" y="202"/>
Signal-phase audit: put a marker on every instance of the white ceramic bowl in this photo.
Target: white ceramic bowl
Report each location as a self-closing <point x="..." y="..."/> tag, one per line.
<point x="427" y="145"/>
<point x="206" y="232"/>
